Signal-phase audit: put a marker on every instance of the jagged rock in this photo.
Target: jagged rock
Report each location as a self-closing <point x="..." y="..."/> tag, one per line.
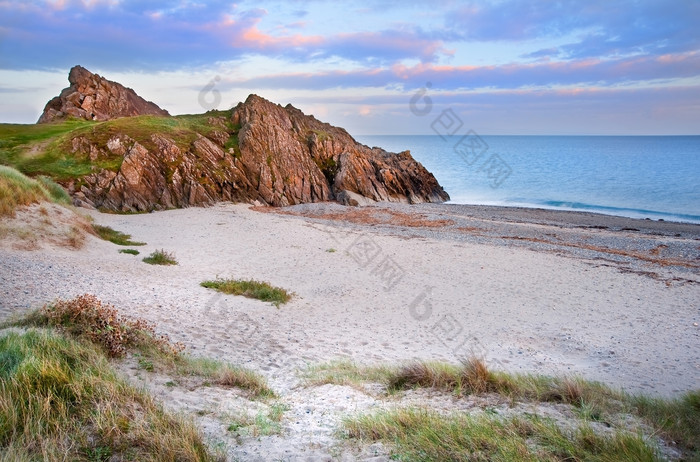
<point x="282" y="157"/>
<point x="92" y="97"/>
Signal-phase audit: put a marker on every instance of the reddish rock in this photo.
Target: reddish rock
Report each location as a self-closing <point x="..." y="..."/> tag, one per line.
<point x="282" y="157"/>
<point x="92" y="97"/>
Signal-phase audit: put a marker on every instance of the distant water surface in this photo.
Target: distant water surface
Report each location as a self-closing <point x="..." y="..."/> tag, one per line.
<point x="655" y="177"/>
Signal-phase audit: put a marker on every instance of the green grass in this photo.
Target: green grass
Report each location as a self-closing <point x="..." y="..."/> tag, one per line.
<point x="250" y="288"/>
<point x="160" y="257"/>
<point x="114" y="236"/>
<point x="423" y="435"/>
<point x="48" y="149"/>
<point x="55" y="190"/>
<point x="129" y="251"/>
<point x="61" y="400"/>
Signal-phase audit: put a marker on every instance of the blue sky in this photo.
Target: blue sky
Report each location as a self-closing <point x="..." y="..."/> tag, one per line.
<point x="504" y="67"/>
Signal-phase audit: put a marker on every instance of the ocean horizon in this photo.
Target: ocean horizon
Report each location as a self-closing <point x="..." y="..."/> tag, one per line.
<point x="649" y="176"/>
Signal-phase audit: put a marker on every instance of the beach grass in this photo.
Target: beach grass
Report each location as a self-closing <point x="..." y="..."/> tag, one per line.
<point x="116" y="237"/>
<point x="418" y="434"/>
<point x="129" y="251"/>
<point x="18" y="190"/>
<point x="674" y="420"/>
<point x="250" y="288"/>
<point x="345" y="372"/>
<point x="86" y="318"/>
<point x="60" y="399"/>
<point x="160" y="257"/>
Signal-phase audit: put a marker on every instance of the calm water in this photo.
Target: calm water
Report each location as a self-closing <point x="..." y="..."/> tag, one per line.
<point x="636" y="176"/>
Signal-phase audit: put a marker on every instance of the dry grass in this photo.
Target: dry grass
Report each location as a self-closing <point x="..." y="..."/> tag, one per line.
<point x="651" y="257"/>
<point x="17" y="190"/>
<point x="368" y="216"/>
<point x="87" y="317"/>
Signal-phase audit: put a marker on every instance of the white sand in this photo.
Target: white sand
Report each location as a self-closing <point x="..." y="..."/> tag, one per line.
<point x="523" y="310"/>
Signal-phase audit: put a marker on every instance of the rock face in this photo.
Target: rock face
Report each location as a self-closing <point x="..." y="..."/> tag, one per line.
<point x="257" y="151"/>
<point x="92" y="97"/>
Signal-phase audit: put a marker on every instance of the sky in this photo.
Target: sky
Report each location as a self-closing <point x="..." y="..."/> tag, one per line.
<point x="531" y="67"/>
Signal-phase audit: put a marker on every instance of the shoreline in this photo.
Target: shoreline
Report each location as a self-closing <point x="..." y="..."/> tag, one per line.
<point x="666" y="217"/>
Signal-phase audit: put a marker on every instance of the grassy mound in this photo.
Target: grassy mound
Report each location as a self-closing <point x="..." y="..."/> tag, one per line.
<point x="61" y="400"/>
<point x="49" y="149"/>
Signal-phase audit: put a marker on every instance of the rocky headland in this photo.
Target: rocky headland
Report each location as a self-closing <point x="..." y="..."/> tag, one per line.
<point x="257" y="151"/>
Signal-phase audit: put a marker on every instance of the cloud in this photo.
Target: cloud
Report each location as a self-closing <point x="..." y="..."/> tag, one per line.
<point x="516" y="75"/>
<point x="167" y="35"/>
<point x="603" y="28"/>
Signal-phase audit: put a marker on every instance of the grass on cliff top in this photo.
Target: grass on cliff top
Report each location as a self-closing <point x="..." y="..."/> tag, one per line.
<point x="17" y="190"/>
<point x="424" y="435"/>
<point x="47" y="149"/>
<point x="250" y="288"/>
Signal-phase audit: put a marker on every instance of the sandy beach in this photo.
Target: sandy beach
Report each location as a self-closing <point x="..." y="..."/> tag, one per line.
<point x="610" y="299"/>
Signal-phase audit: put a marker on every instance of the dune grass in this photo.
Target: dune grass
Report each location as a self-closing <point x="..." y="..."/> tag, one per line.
<point x="250" y="288"/>
<point x="129" y="251"/>
<point x="17" y="190"/>
<point x="423" y="435"/>
<point x="114" y="236"/>
<point x="345" y="372"/>
<point x="160" y="257"/>
<point x="88" y="319"/>
<point x="61" y="400"/>
<point x="676" y="421"/>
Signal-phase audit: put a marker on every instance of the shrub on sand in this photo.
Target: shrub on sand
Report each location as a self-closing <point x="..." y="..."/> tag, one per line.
<point x="250" y="288"/>
<point x="161" y="257"/>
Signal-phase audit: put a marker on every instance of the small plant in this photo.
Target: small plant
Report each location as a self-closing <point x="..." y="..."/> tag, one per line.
<point x="262" y="424"/>
<point x="161" y="257"/>
<point x="129" y="251"/>
<point x="331" y="250"/>
<point x="115" y="237"/>
<point x="251" y="289"/>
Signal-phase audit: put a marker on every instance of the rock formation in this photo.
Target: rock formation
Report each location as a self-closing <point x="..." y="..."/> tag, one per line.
<point x="92" y="97"/>
<point x="258" y="151"/>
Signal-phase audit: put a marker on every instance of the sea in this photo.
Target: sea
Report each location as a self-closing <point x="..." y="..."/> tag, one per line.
<point x="655" y="177"/>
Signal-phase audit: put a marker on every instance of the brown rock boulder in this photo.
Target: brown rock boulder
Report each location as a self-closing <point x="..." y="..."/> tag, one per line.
<point x="92" y="97"/>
